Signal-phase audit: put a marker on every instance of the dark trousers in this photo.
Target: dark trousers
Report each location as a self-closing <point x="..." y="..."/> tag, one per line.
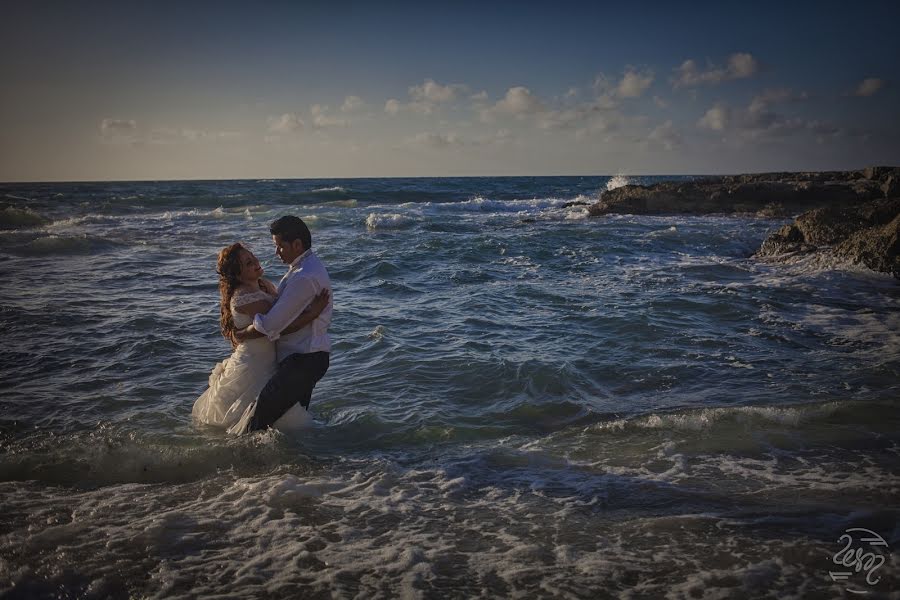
<point x="293" y="382"/>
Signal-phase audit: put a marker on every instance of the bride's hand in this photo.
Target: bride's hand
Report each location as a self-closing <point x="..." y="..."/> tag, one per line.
<point x="320" y="302"/>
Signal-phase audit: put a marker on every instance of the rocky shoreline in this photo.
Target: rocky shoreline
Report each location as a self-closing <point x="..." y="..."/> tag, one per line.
<point x="854" y="215"/>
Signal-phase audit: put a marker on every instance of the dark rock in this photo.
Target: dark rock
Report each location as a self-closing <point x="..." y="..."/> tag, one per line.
<point x="787" y="240"/>
<point x="867" y="234"/>
<point x="877" y="247"/>
<point x="757" y="194"/>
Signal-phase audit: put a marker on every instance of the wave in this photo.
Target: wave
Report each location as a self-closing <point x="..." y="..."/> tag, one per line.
<point x="389" y="221"/>
<point x="53" y="244"/>
<point x="19" y="218"/>
<point x="110" y="455"/>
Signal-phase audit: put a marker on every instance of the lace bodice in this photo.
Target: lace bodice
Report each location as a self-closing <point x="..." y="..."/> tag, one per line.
<point x="241" y="320"/>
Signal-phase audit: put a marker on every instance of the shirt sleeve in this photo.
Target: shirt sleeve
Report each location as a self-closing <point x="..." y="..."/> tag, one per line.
<point x="296" y="296"/>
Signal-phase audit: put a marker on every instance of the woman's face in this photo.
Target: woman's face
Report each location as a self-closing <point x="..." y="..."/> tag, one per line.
<point x="251" y="270"/>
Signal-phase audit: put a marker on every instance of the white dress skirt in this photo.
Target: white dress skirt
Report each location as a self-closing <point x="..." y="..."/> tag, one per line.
<point x="235" y="382"/>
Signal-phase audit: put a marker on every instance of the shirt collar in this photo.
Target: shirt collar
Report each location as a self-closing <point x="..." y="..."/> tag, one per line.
<point x="299" y="260"/>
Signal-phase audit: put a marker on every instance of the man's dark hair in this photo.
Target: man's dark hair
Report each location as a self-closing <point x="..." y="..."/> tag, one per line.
<point x="290" y="228"/>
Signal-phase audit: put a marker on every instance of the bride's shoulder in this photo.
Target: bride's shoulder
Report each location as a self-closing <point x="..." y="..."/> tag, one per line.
<point x="247" y="295"/>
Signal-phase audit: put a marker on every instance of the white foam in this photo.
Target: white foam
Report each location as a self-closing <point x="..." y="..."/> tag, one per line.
<point x="620" y="180"/>
<point x="389" y="221"/>
<point x="16" y="218"/>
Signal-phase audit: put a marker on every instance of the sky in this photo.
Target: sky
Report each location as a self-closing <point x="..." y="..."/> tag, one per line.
<point x="96" y="91"/>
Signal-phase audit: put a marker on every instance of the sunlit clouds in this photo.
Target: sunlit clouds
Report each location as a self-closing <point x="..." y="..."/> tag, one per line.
<point x="432" y="90"/>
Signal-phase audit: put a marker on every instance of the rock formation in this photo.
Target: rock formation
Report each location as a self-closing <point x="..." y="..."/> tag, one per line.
<point x="766" y="194"/>
<point x="853" y="214"/>
<point x="868" y="234"/>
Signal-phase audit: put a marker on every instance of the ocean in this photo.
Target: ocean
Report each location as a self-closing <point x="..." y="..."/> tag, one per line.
<point x="522" y="401"/>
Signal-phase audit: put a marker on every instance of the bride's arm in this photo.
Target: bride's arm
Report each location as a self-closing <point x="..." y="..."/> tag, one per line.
<point x="309" y="315"/>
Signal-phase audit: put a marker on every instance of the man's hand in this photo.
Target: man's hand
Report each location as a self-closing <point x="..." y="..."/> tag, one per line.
<point x="247" y="333"/>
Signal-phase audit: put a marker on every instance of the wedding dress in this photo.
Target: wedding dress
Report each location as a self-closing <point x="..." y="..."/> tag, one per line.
<point x="235" y="382"/>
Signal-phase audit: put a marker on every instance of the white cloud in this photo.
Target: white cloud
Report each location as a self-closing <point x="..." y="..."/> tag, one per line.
<point x="126" y="131"/>
<point x="667" y="135"/>
<point x="775" y="96"/>
<point x="435" y="140"/>
<point x="433" y="92"/>
<point x="602" y="125"/>
<point x="452" y="139"/>
<point x="660" y="102"/>
<point x="740" y="66"/>
<point x="519" y="102"/>
<point x="427" y="97"/>
<point x="869" y="87"/>
<point x="759" y="122"/>
<point x="561" y="119"/>
<point x="321" y="118"/>
<point x="174" y="135"/>
<point x="286" y="123"/>
<point x="716" y="118"/>
<point x="351" y="103"/>
<point x="118" y="127"/>
<point x="634" y="84"/>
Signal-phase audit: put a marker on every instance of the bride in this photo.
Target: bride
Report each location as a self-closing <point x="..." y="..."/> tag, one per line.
<point x="235" y="382"/>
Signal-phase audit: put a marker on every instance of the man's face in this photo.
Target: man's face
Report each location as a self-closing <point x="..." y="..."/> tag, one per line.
<point x="287" y="251"/>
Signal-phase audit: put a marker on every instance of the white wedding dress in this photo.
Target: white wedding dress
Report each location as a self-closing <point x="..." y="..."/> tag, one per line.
<point x="235" y="383"/>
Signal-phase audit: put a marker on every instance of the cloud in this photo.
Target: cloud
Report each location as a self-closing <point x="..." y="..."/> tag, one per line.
<point x="775" y="96"/>
<point x="518" y="102"/>
<point x="452" y="139"/>
<point x="868" y="87"/>
<point x="760" y="122"/>
<point x="436" y="140"/>
<point x="112" y="127"/>
<point x="427" y="97"/>
<point x="119" y="131"/>
<point x="716" y="118"/>
<point x="126" y="131"/>
<point x="667" y="135"/>
<point x="433" y="92"/>
<point x="740" y="66"/>
<point x="286" y="123"/>
<point x="634" y="84"/>
<point x="351" y="103"/>
<point x="174" y="135"/>
<point x="321" y="119"/>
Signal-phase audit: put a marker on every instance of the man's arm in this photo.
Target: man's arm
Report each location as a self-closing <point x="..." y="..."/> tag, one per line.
<point x="295" y="296"/>
<point x="309" y="314"/>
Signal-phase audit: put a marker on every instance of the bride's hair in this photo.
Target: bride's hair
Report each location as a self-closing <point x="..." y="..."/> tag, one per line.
<point x="228" y="267"/>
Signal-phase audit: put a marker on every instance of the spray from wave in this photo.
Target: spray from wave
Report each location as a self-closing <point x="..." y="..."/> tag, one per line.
<point x="620" y="180"/>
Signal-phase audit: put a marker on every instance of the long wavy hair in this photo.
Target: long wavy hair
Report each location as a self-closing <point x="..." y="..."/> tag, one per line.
<point x="228" y="266"/>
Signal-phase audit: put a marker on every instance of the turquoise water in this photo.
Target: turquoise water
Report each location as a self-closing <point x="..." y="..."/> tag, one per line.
<point x="521" y="400"/>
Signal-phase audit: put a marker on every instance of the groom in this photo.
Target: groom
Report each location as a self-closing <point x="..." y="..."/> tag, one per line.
<point x="303" y="355"/>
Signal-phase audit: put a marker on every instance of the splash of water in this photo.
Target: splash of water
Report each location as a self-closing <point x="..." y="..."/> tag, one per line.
<point x="618" y="181"/>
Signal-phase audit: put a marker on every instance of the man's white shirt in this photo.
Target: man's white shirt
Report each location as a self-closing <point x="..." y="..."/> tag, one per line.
<point x="306" y="277"/>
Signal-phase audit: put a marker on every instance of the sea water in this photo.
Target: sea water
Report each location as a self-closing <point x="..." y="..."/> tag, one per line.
<point x="522" y="400"/>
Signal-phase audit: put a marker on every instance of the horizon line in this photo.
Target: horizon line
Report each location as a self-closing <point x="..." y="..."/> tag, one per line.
<point x="260" y="179"/>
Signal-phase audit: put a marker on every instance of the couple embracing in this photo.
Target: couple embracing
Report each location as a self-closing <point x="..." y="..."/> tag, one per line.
<point x="279" y="335"/>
